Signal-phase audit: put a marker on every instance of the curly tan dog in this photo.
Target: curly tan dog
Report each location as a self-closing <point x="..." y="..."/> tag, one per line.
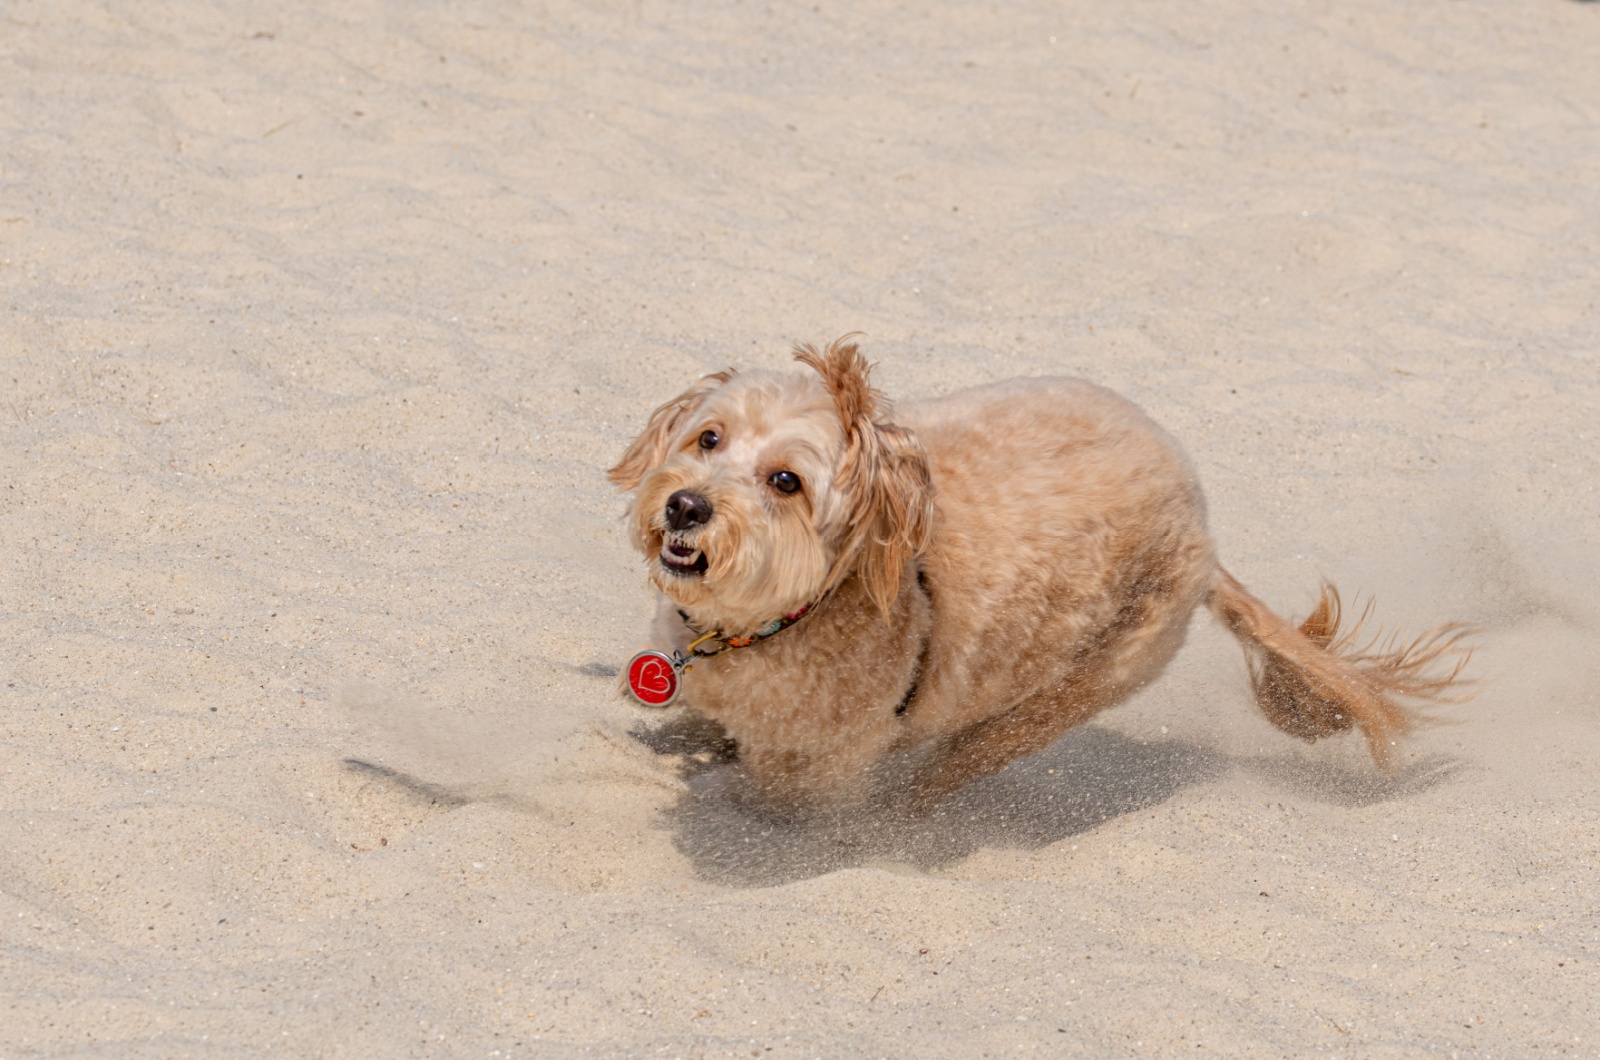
<point x="962" y="585"/>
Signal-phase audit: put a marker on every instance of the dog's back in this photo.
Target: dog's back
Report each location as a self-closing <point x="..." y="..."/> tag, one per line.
<point x="1069" y="550"/>
<point x="1069" y="543"/>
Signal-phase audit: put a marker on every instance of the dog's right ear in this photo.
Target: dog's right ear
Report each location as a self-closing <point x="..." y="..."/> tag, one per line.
<point x="650" y="448"/>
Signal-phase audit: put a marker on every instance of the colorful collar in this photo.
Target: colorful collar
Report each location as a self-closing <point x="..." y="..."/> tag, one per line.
<point x="777" y="625"/>
<point x="653" y="676"/>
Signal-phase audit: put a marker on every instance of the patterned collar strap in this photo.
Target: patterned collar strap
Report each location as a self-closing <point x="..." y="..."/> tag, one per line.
<point x="772" y="628"/>
<point x="654" y="676"/>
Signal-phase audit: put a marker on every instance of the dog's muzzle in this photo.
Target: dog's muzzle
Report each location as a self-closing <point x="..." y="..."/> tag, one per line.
<point x="685" y="513"/>
<point x="680" y="556"/>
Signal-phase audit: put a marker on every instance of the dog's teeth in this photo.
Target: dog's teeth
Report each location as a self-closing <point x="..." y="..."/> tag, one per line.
<point x="690" y="557"/>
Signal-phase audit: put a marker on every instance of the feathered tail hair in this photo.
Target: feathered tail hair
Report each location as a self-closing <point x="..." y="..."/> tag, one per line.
<point x="1316" y="680"/>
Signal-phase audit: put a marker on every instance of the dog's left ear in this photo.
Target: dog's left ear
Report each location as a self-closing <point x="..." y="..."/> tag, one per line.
<point x="650" y="448"/>
<point x="884" y="476"/>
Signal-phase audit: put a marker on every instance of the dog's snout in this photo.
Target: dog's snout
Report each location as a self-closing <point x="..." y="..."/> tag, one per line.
<point x="686" y="509"/>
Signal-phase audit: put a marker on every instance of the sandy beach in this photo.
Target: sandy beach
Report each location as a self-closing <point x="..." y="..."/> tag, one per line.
<point x="320" y="324"/>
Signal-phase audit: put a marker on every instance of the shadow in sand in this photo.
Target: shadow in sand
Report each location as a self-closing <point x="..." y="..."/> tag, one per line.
<point x="1091" y="776"/>
<point x="701" y="741"/>
<point x="421" y="790"/>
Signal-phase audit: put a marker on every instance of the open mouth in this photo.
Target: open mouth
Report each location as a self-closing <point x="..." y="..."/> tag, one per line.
<point x="680" y="557"/>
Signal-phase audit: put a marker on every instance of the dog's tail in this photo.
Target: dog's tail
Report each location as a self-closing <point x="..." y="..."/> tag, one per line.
<point x="1314" y="681"/>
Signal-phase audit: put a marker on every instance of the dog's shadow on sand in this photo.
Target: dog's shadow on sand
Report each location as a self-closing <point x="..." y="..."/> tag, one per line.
<point x="1089" y="777"/>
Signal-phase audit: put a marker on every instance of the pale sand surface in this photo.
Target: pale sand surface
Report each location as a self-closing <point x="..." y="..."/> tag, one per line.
<point x="321" y="324"/>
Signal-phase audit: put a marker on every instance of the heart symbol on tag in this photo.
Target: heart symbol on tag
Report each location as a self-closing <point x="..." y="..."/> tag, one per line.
<point x="652" y="679"/>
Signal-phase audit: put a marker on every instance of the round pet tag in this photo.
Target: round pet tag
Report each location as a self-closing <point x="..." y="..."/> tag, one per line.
<point x="653" y="678"/>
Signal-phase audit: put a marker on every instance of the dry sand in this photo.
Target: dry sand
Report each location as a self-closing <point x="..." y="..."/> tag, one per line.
<point x="321" y="323"/>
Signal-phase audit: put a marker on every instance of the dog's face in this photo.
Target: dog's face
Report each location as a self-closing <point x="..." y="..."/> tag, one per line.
<point x="755" y="494"/>
<point x="740" y="516"/>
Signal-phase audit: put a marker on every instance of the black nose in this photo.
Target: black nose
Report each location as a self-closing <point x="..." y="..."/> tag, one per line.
<point x="685" y="509"/>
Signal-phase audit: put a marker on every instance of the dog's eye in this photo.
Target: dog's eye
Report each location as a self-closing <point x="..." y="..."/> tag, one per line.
<point x="784" y="481"/>
<point x="709" y="439"/>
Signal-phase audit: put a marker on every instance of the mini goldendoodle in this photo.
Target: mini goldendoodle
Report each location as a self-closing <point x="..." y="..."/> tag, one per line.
<point x="954" y="589"/>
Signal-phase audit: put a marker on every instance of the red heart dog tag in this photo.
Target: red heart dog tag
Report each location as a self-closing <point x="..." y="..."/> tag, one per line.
<point x="653" y="678"/>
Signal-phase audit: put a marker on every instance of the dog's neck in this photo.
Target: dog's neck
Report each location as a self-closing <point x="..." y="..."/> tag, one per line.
<point x="740" y="632"/>
<point x="748" y="619"/>
<point x="715" y="639"/>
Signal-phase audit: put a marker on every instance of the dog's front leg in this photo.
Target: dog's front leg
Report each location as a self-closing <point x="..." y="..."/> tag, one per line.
<point x="787" y="783"/>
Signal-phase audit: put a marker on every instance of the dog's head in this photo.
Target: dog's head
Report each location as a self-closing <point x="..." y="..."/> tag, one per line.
<point x="755" y="493"/>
